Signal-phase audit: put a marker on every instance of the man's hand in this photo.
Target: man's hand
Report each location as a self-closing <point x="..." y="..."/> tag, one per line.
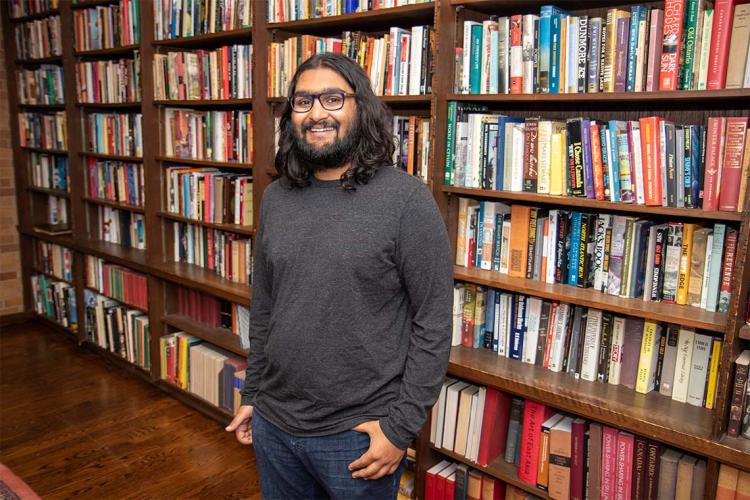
<point x="240" y="425"/>
<point x="382" y="458"/>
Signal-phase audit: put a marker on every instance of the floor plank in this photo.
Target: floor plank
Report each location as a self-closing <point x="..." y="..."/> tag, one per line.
<point x="74" y="426"/>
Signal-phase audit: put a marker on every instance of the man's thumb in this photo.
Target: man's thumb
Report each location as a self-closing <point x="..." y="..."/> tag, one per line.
<point x="233" y="424"/>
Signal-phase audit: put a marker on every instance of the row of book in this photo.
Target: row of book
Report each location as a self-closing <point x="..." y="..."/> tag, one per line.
<point x="398" y="62"/>
<point x="448" y="480"/>
<point x="563" y="456"/>
<point x="21" y="8"/>
<point x="412" y="136"/>
<point x="675" y="262"/>
<point x="211" y="311"/>
<point x="227" y="254"/>
<point x="55" y="300"/>
<point x="685" y="46"/>
<point x="209" y="372"/>
<point x="122" y="227"/>
<point x="186" y="18"/>
<point x="739" y="410"/>
<point x="57" y="210"/>
<point x="54" y="260"/>
<point x="116" y="181"/>
<point x="117" y="328"/>
<point x="117" y="282"/>
<point x="41" y="85"/>
<point x="209" y="195"/>
<point x="296" y="10"/>
<point x="649" y="161"/>
<point x="589" y="344"/>
<point x="49" y="171"/>
<point x="109" y="81"/>
<point x="209" y="135"/>
<point x="733" y="484"/>
<point x="38" y="39"/>
<point x="43" y="130"/>
<point x="107" y="26"/>
<point x="118" y="134"/>
<point x="222" y="73"/>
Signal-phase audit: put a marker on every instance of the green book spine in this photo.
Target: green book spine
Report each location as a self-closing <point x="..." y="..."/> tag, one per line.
<point x="450" y="143"/>
<point x="475" y="77"/>
<point x="626" y="268"/>
<point x="690" y="29"/>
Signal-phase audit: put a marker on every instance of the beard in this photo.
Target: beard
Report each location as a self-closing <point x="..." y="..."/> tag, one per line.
<point x="333" y="155"/>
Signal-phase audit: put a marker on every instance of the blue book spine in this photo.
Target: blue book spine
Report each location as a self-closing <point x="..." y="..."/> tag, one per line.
<point x="497" y="244"/>
<point x="518" y="327"/>
<point x="494" y="60"/>
<point x="480" y="234"/>
<point x="475" y="77"/>
<point x="489" y="320"/>
<point x="695" y="153"/>
<point x="555" y="45"/>
<point x="545" y="46"/>
<point x="603" y="132"/>
<point x="397" y="64"/>
<point x="575" y="248"/>
<point x="593" y="51"/>
<point x="588" y="166"/>
<point x="633" y="46"/>
<point x="501" y="148"/>
<point x="615" y="178"/>
<point x="131" y="182"/>
<point x="687" y="162"/>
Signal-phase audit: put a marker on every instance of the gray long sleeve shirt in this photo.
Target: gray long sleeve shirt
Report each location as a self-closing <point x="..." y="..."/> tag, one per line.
<point x="351" y="313"/>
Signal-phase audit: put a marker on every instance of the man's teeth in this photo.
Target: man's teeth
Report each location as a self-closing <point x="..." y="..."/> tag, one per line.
<point x="322" y="129"/>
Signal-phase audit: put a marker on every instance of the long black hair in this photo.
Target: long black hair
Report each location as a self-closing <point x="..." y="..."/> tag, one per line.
<point x="376" y="145"/>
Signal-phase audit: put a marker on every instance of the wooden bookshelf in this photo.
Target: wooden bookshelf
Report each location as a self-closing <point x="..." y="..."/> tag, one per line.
<point x="34" y="17"/>
<point x="671" y="313"/>
<point x="118" y="361"/>
<point x="46" y="151"/>
<point x="115" y="204"/>
<point x="233" y="228"/>
<point x="685" y="427"/>
<point x="218" y="336"/>
<point x="54" y="192"/>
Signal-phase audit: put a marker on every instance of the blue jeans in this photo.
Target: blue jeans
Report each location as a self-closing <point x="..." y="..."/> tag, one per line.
<point x="314" y="467"/>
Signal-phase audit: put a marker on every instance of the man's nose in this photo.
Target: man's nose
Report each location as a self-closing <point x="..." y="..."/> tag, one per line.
<point x="317" y="112"/>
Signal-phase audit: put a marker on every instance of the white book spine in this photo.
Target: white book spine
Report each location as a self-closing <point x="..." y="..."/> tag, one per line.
<point x="618" y="341"/>
<point x="557" y="350"/>
<point x="554" y="216"/>
<point x="531" y="340"/>
<point x="706" y="271"/>
<point x="503" y="330"/>
<point x="683" y="365"/>
<point x="699" y="369"/>
<point x="638" y="163"/>
<point x="544" y="141"/>
<point x="590" y="354"/>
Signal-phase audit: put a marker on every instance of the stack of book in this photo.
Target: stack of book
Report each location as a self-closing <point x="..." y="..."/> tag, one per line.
<point x="107" y="26"/>
<point x="186" y="18"/>
<point x="295" y="10"/>
<point x="43" y="130"/>
<point x="116" y="181"/>
<point x="117" y="282"/>
<point x="211" y="311"/>
<point x="39" y="39"/>
<point x="55" y="300"/>
<point x="225" y="136"/>
<point x="54" y="260"/>
<point x="109" y="81"/>
<point x="226" y="254"/>
<point x="42" y="85"/>
<point x="114" y="133"/>
<point x="49" y="171"/>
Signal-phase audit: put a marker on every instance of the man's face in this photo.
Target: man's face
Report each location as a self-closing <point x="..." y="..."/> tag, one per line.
<point x="324" y="136"/>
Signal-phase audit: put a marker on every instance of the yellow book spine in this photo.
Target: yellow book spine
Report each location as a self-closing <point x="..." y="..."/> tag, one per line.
<point x="183" y="350"/>
<point x="713" y="373"/>
<point x="555" y="169"/>
<point x="644" y="381"/>
<point x="163" y="357"/>
<point x="685" y="255"/>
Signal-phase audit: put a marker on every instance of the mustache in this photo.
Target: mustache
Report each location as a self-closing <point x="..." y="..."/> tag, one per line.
<point x="328" y="122"/>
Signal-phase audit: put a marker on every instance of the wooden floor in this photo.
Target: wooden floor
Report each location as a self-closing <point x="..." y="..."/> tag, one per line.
<point x="72" y="425"/>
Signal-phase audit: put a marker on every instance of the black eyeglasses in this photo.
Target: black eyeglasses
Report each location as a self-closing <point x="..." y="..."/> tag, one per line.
<point x="332" y="100"/>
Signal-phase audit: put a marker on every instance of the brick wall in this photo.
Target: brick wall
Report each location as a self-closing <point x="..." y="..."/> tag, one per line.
<point x="11" y="295"/>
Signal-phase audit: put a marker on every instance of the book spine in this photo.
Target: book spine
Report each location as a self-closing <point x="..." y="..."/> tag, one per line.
<point x="731" y="170"/>
<point x="719" y="48"/>
<point x="737" y="399"/>
<point x="670" y="57"/>
<point x="727" y="272"/>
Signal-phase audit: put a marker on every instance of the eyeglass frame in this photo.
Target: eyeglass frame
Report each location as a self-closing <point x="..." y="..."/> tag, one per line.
<point x="317" y="97"/>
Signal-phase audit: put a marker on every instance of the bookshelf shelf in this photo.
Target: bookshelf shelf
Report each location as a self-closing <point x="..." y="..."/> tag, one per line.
<point x="103" y="156"/>
<point x="118" y="360"/>
<point x="744" y="332"/>
<point x="234" y="228"/>
<point x="195" y="402"/>
<point x="646" y="98"/>
<point x="651" y="415"/>
<point x="670" y="313"/>
<point x="203" y="280"/>
<point x="114" y="204"/>
<point x="117" y="254"/>
<point x="741" y="445"/>
<point x="64" y="240"/>
<point x="36" y="270"/>
<point x="243" y="35"/>
<point x="401" y="16"/>
<point x="392" y="100"/>
<point x="205" y="103"/>
<point x="41" y="60"/>
<point x="67" y="331"/>
<point x="114" y="105"/>
<point x="588" y="204"/>
<point x="92" y="3"/>
<point x="499" y="469"/>
<point x="42" y="107"/>
<point x="43" y="150"/>
<point x="55" y="192"/>
<point x="204" y="163"/>
<point x="218" y="336"/>
<point x="515" y="6"/>
<point x="123" y="302"/>
<point x="115" y="51"/>
<point x="33" y="17"/>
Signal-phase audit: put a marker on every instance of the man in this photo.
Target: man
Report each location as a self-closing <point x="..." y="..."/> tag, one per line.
<point x="350" y="321"/>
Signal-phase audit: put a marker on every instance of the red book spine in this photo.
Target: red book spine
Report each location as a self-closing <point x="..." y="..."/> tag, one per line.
<point x="624" y="474"/>
<point x="440" y="487"/>
<point x="731" y="169"/>
<point x="516" y="34"/>
<point x="494" y="426"/>
<point x="225" y="72"/>
<point x="651" y="160"/>
<point x="450" y="488"/>
<point x="578" y="458"/>
<point x="727" y="271"/>
<point x="718" y="58"/>
<point x="714" y="139"/>
<point x="596" y="160"/>
<point x="534" y="415"/>
<point x="737" y="399"/>
<point x="670" y="54"/>
<point x="609" y="461"/>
